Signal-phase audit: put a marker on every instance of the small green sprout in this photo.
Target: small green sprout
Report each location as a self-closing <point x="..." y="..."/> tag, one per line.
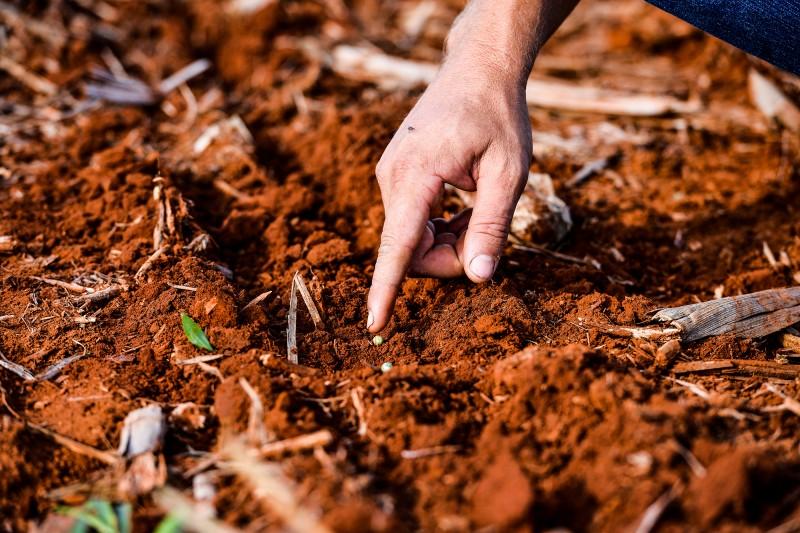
<point x="387" y="366"/>
<point x="100" y="516"/>
<point x="195" y="333"/>
<point x="377" y="340"/>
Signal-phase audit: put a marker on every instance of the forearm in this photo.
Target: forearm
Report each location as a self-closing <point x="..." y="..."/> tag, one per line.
<point x="504" y="36"/>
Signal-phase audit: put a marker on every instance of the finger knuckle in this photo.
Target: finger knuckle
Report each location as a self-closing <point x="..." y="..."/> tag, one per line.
<point x="495" y="228"/>
<point x="393" y="245"/>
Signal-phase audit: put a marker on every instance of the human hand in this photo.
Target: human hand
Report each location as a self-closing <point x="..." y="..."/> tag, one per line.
<point x="469" y="129"/>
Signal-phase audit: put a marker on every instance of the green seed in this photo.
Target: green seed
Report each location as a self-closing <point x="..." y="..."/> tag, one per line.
<point x="385" y="367"/>
<point x="377" y="340"/>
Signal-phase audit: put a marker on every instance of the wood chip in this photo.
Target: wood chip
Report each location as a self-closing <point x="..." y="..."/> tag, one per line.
<point x="316" y="439"/>
<point x="701" y="366"/>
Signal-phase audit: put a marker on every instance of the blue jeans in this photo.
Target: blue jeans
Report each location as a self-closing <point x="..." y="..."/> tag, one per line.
<point x="769" y="29"/>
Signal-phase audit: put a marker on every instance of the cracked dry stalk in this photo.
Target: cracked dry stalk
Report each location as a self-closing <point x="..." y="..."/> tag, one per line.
<point x="298" y="286"/>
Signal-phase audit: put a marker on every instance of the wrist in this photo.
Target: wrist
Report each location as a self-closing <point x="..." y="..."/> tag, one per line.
<point x="489" y="40"/>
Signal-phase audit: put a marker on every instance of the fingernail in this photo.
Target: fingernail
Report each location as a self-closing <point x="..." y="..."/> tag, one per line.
<point x="483" y="266"/>
<point x="370" y="319"/>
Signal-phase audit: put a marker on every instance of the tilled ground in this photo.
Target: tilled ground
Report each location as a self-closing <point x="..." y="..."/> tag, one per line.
<point x="509" y="405"/>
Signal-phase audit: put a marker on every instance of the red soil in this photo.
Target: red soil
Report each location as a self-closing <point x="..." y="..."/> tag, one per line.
<point x="544" y="419"/>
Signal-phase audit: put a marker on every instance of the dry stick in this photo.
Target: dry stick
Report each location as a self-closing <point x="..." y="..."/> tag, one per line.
<point x="214" y="371"/>
<point x="78" y="447"/>
<point x="257" y="300"/>
<point x="309" y="301"/>
<point x="54" y="369"/>
<point x="271" y="486"/>
<point x="54" y="35"/>
<point x="186" y="512"/>
<point x="17" y="369"/>
<point x="228" y="189"/>
<point x="654" y="511"/>
<point x="316" y="439"/>
<point x="101" y="295"/>
<point x="298" y="286"/>
<point x="256" y="431"/>
<point x="769" y="369"/>
<point x="149" y="262"/>
<point x="392" y="72"/>
<point x="37" y="83"/>
<point x="201" y="359"/>
<point x="358" y="403"/>
<point x="789" y="404"/>
<point x="429" y="452"/>
<point x="73" y="287"/>
<point x="557" y="255"/>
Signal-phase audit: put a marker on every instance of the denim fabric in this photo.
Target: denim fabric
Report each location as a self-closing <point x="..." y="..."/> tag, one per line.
<point x="769" y="29"/>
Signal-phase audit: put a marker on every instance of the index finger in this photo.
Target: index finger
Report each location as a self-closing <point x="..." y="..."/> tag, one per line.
<point x="407" y="211"/>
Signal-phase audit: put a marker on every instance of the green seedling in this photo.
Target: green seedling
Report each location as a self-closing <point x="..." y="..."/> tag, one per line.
<point x="100" y="516"/>
<point x="170" y="524"/>
<point x="195" y="333"/>
<point x="377" y="340"/>
<point x="387" y="366"/>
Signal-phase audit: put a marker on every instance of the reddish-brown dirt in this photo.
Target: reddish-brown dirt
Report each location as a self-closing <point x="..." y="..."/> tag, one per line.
<point x="510" y="406"/>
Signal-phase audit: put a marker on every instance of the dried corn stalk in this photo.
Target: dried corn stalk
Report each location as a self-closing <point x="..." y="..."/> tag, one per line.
<point x="747" y="316"/>
<point x="372" y="65"/>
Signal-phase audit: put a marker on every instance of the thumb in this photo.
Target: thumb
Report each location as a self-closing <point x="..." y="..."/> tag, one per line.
<point x="496" y="198"/>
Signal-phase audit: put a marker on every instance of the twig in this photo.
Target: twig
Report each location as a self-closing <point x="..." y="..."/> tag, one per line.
<point x="654" y="511"/>
<point x="201" y="359"/>
<point x="214" y="371"/>
<point x="101" y="295"/>
<point x="54" y="369"/>
<point x="78" y="447"/>
<point x="31" y="80"/>
<point x="193" y="69"/>
<point x="789" y="404"/>
<point x="695" y="465"/>
<point x="73" y="287"/>
<point x="271" y="486"/>
<point x="693" y="388"/>
<point x="298" y="286"/>
<point x="183" y="287"/>
<point x="368" y="64"/>
<point x="590" y="169"/>
<point x="358" y="403"/>
<point x="301" y="287"/>
<point x="322" y="437"/>
<point x="428" y="452"/>
<point x="256" y="431"/>
<point x="149" y="262"/>
<point x="257" y="300"/>
<point x="558" y="255"/>
<point x="17" y="369"/>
